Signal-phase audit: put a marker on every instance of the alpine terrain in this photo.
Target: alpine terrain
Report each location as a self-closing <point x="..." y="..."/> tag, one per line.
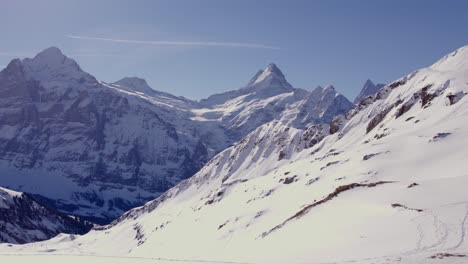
<point x="96" y="149"/>
<point x="382" y="183"/>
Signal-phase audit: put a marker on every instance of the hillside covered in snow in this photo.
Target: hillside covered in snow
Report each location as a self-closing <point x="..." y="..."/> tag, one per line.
<point x="383" y="183"/>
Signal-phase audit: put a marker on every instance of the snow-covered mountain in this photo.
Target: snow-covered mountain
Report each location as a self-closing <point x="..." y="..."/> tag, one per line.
<point x="97" y="149"/>
<point x="368" y="89"/>
<point x="268" y="82"/>
<point x="385" y="183"/>
<point x="25" y="220"/>
<point x="267" y="97"/>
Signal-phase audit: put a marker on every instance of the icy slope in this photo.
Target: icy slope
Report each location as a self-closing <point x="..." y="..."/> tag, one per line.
<point x="24" y="220"/>
<point x="389" y="186"/>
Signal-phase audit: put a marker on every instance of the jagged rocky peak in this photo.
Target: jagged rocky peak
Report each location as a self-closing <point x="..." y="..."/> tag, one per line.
<point x="328" y="91"/>
<point x="51" y="66"/>
<point x="368" y="89"/>
<point x="329" y="88"/>
<point x="271" y="77"/>
<point x="266" y="83"/>
<point x="271" y="69"/>
<point x="135" y="83"/>
<point x="368" y="83"/>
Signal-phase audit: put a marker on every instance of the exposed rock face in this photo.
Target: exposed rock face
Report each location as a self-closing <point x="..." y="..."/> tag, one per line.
<point x="24" y="220"/>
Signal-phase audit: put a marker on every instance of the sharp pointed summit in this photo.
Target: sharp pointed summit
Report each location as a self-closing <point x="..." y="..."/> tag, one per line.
<point x="266" y="83"/>
<point x="369" y="88"/>
<point x="272" y="68"/>
<point x="270" y="74"/>
<point x="329" y="88"/>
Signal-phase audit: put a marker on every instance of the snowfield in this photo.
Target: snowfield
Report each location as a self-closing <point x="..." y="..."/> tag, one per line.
<point x="387" y="186"/>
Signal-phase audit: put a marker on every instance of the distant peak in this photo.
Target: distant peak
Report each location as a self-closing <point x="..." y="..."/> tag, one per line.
<point x="273" y="69"/>
<point x="369" y="82"/>
<point x="270" y="72"/>
<point x="52" y="57"/>
<point x="369" y="88"/>
<point x="50" y="52"/>
<point x="52" y="65"/>
<point x="133" y="80"/>
<point x="135" y="83"/>
<point x="329" y="88"/>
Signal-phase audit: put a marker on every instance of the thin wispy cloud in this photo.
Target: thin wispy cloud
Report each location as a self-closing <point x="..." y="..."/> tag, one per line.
<point x="101" y="55"/>
<point x="179" y="43"/>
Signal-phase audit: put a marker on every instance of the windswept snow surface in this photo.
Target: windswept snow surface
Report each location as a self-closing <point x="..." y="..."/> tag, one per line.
<point x="388" y="187"/>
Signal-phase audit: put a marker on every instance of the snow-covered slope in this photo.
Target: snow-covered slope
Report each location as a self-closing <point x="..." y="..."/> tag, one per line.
<point x="387" y="186"/>
<point x="368" y="89"/>
<point x="24" y="220"/>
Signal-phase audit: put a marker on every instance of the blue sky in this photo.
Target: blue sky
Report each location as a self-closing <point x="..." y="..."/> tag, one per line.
<point x="197" y="48"/>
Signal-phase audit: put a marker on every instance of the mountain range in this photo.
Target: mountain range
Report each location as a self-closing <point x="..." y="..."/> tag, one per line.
<point x="95" y="149"/>
<point x="379" y="181"/>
